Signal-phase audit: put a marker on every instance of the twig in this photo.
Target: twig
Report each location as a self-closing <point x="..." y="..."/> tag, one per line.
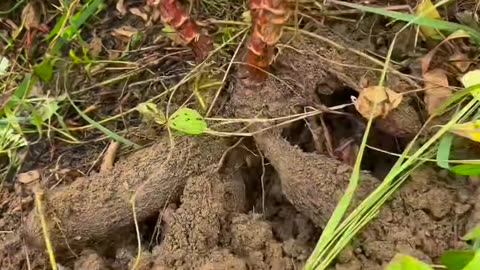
<point x="39" y="209"/>
<point x="110" y="154"/>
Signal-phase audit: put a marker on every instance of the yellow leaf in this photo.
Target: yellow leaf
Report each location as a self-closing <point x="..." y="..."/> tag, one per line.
<point x="437" y="90"/>
<point x="377" y="101"/>
<point x="427" y="9"/>
<point x="470" y="79"/>
<point x="151" y="112"/>
<point x="470" y="130"/>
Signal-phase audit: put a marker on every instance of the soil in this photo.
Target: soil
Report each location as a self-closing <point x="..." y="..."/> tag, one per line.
<point x="262" y="204"/>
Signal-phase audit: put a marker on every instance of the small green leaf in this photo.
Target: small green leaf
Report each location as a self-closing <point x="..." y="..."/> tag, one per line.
<point x="473" y="234"/>
<point x="405" y="262"/>
<point x="474" y="264"/>
<point x="466" y="169"/>
<point x="456" y="259"/>
<point x="48" y="108"/>
<point x="443" y="152"/>
<point x="187" y="121"/>
<point x="44" y="70"/>
<point x="151" y="112"/>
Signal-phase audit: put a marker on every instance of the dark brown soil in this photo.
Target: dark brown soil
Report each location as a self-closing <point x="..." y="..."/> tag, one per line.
<point x="261" y="205"/>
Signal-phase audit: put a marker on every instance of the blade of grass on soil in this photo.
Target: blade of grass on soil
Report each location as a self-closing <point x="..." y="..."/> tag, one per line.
<point x="105" y="130"/>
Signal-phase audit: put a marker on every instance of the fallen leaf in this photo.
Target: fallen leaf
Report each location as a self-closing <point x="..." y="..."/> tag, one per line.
<point x="384" y="98"/>
<point x="95" y="46"/>
<point x="4" y="63"/>
<point x="28" y="177"/>
<point x="425" y="62"/>
<point x="124" y="32"/>
<point x="120" y="6"/>
<point x="470" y="130"/>
<point x="461" y="61"/>
<point x="437" y="89"/>
<point x="31" y="16"/>
<point x="471" y="78"/>
<point x="139" y="13"/>
<point x="426" y="9"/>
<point x="151" y="112"/>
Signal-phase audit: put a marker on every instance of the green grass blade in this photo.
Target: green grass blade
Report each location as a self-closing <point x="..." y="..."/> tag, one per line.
<point x="105" y="130"/>
<point x="22" y="91"/>
<point x="424" y="21"/>
<point x="443" y="153"/>
<point x="342" y="206"/>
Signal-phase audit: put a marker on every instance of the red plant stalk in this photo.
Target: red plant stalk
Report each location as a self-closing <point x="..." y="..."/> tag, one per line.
<point x="173" y="14"/>
<point x="268" y="18"/>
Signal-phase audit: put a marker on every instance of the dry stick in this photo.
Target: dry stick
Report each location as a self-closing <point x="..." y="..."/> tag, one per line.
<point x="38" y="203"/>
<point x="110" y="154"/>
<point x="137" y="231"/>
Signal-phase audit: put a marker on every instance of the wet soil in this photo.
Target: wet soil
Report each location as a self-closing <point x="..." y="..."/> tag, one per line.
<point x="261" y="205"/>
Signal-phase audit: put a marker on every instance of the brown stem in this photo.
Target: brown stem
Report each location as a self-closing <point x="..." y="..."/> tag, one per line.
<point x="188" y="30"/>
<point x="268" y="18"/>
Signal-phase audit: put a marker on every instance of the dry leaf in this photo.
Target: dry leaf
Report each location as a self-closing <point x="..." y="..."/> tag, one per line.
<point x="425" y="62"/>
<point x="471" y="78"/>
<point x="120" y="6"/>
<point x="426" y="9"/>
<point x="95" y="46"/>
<point x="28" y="177"/>
<point x="470" y="130"/>
<point x="461" y="61"/>
<point x="31" y="16"/>
<point x="124" y="32"/>
<point x="384" y="98"/>
<point x="139" y="13"/>
<point x="436" y="89"/>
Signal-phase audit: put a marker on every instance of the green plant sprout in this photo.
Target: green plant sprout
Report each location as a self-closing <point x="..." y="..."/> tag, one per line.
<point x="450" y="260"/>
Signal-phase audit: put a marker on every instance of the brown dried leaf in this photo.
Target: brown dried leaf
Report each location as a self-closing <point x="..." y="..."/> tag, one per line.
<point x="139" y="13"/>
<point x="28" y="177"/>
<point x="95" y="46"/>
<point x="120" y="6"/>
<point x="461" y="61"/>
<point x="384" y="98"/>
<point x="436" y="89"/>
<point x="124" y="32"/>
<point x="31" y="16"/>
